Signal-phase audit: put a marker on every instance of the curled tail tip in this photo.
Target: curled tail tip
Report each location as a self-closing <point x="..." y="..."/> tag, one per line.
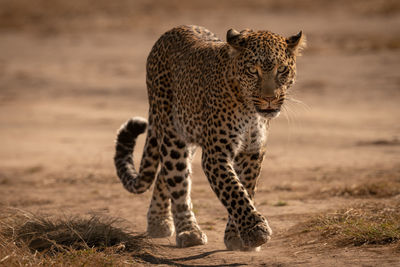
<point x="123" y="158"/>
<point x="136" y="125"/>
<point x="133" y="127"/>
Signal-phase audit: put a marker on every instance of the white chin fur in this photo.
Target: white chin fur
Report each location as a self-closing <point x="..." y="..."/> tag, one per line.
<point x="272" y="114"/>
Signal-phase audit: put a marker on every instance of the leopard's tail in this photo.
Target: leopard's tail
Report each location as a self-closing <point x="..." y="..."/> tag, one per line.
<point x="133" y="181"/>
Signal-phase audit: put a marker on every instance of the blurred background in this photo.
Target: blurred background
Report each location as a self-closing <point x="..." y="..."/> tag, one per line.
<point x="68" y="60"/>
<point x="71" y="72"/>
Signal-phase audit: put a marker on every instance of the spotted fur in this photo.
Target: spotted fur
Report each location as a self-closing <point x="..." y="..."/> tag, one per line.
<point x="220" y="96"/>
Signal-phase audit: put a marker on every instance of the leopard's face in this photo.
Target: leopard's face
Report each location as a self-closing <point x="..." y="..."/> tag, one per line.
<point x="265" y="68"/>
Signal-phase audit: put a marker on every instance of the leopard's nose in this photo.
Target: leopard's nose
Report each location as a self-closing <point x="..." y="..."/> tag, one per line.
<point x="269" y="90"/>
<point x="268" y="87"/>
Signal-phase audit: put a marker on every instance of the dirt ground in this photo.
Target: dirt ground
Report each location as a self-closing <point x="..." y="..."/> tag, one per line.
<point x="71" y="74"/>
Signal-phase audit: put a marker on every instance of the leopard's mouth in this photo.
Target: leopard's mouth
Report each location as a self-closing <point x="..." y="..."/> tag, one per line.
<point x="268" y="107"/>
<point x="268" y="112"/>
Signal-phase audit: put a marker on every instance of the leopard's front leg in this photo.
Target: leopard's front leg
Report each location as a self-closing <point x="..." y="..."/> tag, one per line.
<point x="218" y="166"/>
<point x="247" y="165"/>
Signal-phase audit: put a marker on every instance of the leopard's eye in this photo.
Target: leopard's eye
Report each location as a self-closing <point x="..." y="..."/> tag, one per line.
<point x="252" y="69"/>
<point x="282" y="69"/>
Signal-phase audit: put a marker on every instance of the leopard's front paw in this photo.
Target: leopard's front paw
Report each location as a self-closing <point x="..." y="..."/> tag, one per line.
<point x="256" y="235"/>
<point x="234" y="242"/>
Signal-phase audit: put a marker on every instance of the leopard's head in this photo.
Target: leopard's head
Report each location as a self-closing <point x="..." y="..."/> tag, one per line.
<point x="265" y="67"/>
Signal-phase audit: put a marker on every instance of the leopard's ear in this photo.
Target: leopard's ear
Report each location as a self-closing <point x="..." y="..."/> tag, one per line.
<point x="235" y="39"/>
<point x="296" y="43"/>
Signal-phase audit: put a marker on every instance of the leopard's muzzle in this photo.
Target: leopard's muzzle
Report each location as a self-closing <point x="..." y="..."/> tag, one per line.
<point x="269" y="107"/>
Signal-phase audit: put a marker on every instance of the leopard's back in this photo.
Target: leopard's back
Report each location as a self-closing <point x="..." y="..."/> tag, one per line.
<point x="181" y="76"/>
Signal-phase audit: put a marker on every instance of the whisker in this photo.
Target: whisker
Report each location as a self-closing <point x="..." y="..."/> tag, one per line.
<point x="286" y="114"/>
<point x="290" y="112"/>
<point x="301" y="103"/>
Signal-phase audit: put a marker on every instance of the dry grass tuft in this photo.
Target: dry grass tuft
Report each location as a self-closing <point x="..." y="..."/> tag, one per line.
<point x="28" y="239"/>
<point x="380" y="189"/>
<point x="370" y="223"/>
<point x="280" y="203"/>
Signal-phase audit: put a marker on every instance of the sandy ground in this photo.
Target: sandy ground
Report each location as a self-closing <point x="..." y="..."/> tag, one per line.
<point x="66" y="88"/>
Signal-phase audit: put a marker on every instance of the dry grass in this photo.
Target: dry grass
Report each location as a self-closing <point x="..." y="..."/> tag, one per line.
<point x="280" y="203"/>
<point x="382" y="142"/>
<point x="379" y="189"/>
<point x="370" y="223"/>
<point x="32" y="240"/>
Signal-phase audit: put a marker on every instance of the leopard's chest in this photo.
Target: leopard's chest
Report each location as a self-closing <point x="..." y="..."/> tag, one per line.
<point x="255" y="135"/>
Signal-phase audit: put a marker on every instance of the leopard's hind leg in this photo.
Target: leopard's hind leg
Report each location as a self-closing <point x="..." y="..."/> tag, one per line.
<point x="176" y="158"/>
<point x="159" y="216"/>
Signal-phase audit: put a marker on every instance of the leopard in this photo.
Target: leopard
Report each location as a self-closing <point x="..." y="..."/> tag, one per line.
<point x="220" y="96"/>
